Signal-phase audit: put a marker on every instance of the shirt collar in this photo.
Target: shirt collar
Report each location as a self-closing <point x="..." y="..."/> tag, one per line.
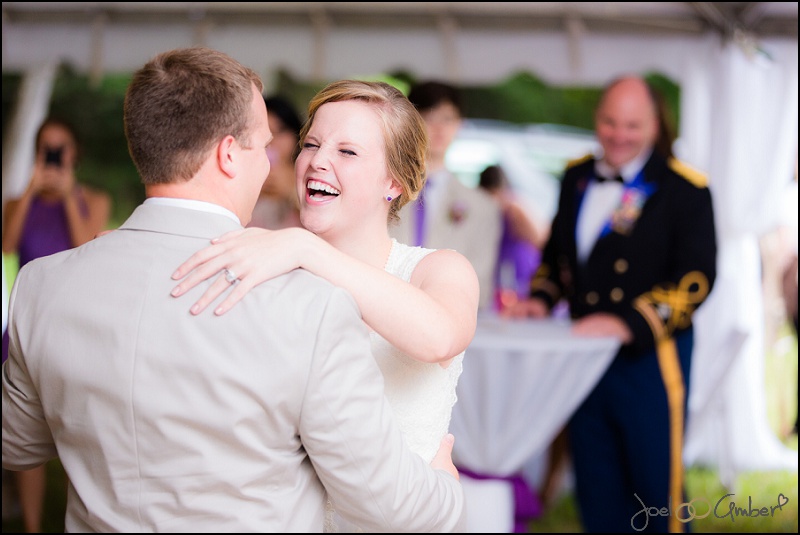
<point x="628" y="171"/>
<point x="193" y="204"/>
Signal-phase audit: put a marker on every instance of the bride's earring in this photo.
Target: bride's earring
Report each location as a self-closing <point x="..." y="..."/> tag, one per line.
<point x="389" y="198"/>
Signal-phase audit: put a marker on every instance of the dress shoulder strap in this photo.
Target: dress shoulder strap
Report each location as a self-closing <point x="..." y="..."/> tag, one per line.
<point x="404" y="258"/>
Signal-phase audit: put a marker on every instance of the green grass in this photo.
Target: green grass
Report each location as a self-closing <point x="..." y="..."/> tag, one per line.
<point x="702" y="483"/>
<point x="11" y="265"/>
<point x="754" y="490"/>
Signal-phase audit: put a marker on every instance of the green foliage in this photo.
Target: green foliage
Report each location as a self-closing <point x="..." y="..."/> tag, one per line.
<point x="11" y="83"/>
<point x="96" y="112"/>
<point x="671" y="93"/>
<point x="298" y="92"/>
<point x="524" y="98"/>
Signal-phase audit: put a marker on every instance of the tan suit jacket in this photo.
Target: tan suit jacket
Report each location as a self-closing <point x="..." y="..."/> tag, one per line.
<point x="469" y="221"/>
<point x="165" y="421"/>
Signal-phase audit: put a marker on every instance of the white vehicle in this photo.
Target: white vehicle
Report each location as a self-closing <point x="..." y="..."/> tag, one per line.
<point x="533" y="157"/>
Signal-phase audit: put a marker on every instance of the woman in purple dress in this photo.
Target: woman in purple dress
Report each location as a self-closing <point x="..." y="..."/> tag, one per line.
<point x="53" y="214"/>
<point x="520" y="244"/>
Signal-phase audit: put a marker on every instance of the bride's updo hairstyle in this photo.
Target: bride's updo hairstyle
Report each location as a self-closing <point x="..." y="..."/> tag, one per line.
<point x="405" y="136"/>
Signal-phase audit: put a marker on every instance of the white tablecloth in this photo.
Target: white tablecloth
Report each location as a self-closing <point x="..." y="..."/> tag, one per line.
<point x="522" y="380"/>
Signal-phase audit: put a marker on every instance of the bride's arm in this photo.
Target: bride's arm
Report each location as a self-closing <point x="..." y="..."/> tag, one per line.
<point x="432" y="319"/>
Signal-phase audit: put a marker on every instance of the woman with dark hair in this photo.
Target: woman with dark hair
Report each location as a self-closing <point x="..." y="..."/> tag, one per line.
<point x="520" y="243"/>
<point x="55" y="212"/>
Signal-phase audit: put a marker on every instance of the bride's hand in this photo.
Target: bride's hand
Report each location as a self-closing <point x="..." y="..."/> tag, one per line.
<point x="443" y="460"/>
<point x="252" y="255"/>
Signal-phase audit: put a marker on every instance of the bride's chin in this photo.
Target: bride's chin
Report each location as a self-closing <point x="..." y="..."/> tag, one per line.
<point x="312" y="224"/>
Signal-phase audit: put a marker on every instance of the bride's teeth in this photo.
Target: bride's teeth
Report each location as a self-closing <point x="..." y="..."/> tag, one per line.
<point x="321" y="186"/>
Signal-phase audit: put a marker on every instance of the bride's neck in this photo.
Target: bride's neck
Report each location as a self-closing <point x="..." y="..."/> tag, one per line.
<point x="372" y="250"/>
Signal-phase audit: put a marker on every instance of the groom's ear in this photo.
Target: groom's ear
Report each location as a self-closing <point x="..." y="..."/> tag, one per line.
<point x="226" y="155"/>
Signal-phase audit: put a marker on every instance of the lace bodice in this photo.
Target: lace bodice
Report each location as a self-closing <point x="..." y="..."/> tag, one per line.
<point x="421" y="395"/>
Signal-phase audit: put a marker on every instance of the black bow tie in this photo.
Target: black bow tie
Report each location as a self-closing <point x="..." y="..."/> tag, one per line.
<point x="617" y="178"/>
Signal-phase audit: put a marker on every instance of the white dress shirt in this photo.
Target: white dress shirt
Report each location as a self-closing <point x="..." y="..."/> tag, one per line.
<point x="601" y="199"/>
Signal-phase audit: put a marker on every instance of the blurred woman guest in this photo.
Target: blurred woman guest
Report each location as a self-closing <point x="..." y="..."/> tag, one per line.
<point x="54" y="213"/>
<point x="520" y="242"/>
<point x="278" y="205"/>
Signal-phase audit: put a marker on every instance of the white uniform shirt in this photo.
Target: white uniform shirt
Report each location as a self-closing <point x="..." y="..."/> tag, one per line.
<point x="601" y="199"/>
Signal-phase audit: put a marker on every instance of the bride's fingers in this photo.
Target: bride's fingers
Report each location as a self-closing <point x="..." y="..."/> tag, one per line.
<point x="202" y="272"/>
<point x="238" y="291"/>
<point x="219" y="246"/>
<point x="200" y="257"/>
<point x="228" y="236"/>
<point x="214" y="291"/>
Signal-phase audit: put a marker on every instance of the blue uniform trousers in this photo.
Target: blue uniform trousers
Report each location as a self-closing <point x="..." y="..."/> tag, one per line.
<point x="620" y="444"/>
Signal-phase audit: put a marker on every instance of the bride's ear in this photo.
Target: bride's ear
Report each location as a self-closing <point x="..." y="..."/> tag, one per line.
<point x="395" y="189"/>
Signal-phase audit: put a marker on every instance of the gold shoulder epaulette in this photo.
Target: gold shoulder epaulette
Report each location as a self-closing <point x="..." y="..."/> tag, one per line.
<point x="578" y="161"/>
<point x="688" y="172"/>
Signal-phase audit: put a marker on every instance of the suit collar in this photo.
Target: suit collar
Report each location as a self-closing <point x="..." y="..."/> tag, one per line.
<point x="179" y="221"/>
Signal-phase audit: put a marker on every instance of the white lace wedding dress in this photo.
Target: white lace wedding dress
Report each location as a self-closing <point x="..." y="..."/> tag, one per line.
<point x="421" y="395"/>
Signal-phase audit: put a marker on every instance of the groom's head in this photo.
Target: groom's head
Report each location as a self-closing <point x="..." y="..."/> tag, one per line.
<point x="196" y="126"/>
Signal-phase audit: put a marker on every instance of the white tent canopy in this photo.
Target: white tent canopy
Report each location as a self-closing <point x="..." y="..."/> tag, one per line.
<point x="735" y="61"/>
<point x="564" y="42"/>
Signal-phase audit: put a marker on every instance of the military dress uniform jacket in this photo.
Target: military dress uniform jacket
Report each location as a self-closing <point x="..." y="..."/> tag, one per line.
<point x="654" y="266"/>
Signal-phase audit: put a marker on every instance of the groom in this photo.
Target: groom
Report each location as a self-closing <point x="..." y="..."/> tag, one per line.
<point x="165" y="421"/>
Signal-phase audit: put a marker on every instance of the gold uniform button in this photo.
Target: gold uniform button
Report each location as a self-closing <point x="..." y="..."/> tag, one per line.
<point x="621" y="266"/>
<point x="617" y="294"/>
<point x="592" y="298"/>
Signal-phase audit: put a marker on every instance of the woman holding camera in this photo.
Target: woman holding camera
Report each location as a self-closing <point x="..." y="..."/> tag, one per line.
<point x="54" y="213"/>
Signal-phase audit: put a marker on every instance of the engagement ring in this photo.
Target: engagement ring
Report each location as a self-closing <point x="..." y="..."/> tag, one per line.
<point x="230" y="276"/>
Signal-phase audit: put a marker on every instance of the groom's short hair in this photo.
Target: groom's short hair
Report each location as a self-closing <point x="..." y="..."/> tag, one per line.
<point x="179" y="105"/>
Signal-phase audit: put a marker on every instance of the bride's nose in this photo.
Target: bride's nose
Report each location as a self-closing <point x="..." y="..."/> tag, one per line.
<point x="320" y="161"/>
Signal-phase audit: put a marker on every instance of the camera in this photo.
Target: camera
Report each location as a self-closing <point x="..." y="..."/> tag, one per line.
<point x="53" y="156"/>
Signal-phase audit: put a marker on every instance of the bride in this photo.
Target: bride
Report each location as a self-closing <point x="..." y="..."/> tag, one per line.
<point x="362" y="158"/>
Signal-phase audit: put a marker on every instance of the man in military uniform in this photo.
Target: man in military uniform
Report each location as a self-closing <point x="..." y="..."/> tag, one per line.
<point x="633" y="250"/>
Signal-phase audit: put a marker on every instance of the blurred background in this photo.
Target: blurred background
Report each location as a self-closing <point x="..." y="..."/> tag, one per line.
<point x="530" y="73"/>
